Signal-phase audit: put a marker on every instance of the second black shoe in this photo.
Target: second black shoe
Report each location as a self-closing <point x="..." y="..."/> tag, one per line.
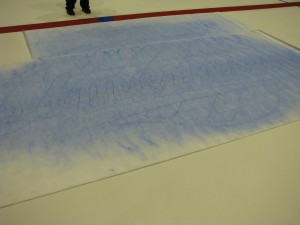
<point x="87" y="11"/>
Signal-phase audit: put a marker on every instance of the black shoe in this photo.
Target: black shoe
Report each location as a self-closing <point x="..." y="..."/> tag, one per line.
<point x="70" y="12"/>
<point x="87" y="11"/>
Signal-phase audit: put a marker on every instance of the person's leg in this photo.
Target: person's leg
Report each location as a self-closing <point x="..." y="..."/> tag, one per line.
<point x="85" y="5"/>
<point x="70" y="5"/>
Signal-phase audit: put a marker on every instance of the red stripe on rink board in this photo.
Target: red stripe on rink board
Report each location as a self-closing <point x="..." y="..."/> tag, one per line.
<point x="18" y="28"/>
<point x="205" y="10"/>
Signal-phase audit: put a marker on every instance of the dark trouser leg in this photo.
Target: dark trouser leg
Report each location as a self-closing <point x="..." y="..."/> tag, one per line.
<point x="70" y="4"/>
<point x="84" y="4"/>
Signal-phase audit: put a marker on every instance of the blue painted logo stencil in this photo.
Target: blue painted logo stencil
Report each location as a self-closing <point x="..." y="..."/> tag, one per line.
<point x="140" y="97"/>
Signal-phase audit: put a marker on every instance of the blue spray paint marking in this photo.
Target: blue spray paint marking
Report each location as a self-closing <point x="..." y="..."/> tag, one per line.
<point x="150" y="93"/>
<point x="105" y="19"/>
